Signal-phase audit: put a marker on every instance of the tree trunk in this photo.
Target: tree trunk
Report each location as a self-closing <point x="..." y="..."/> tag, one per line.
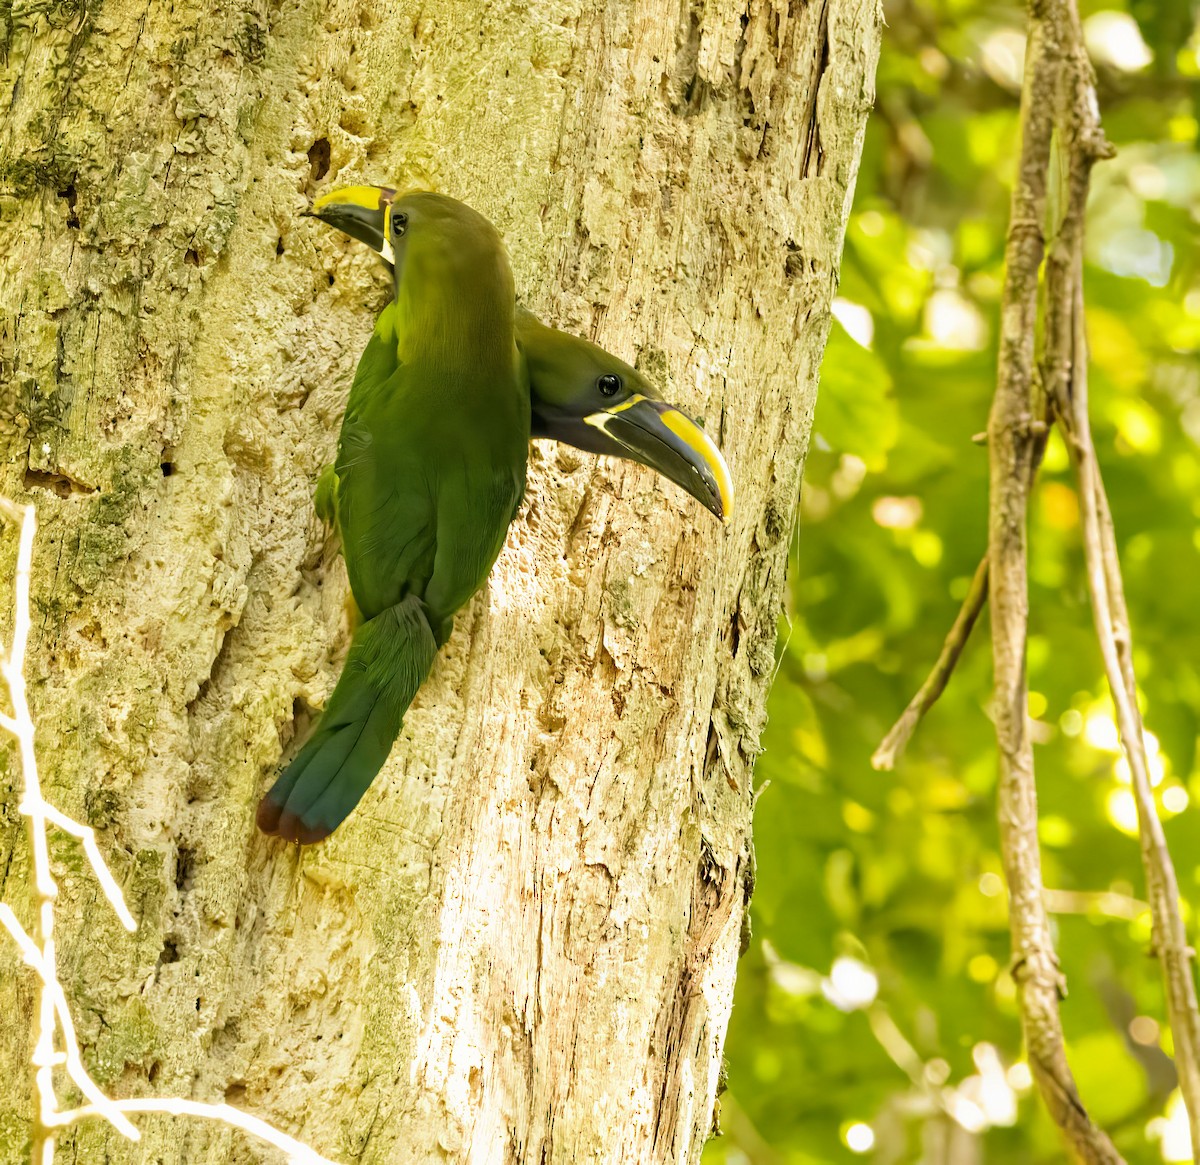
<point x="521" y="947"/>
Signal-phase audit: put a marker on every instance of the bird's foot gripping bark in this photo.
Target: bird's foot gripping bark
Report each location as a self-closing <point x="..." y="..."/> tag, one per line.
<point x="389" y="659"/>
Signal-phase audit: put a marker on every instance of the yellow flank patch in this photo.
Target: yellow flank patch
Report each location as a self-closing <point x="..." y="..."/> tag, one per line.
<point x="696" y="438"/>
<point x="368" y="197"/>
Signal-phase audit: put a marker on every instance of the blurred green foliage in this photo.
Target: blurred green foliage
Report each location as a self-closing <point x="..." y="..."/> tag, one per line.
<point x="875" y="1010"/>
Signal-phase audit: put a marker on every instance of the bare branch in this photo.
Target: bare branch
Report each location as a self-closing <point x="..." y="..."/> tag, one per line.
<point x="893" y="745"/>
<point x="1014" y="439"/>
<point x="1162" y="887"/>
<point x="1083" y="142"/>
<point x="95" y="858"/>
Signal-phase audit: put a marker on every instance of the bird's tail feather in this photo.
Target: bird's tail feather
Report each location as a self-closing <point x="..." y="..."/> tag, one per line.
<point x="390" y="656"/>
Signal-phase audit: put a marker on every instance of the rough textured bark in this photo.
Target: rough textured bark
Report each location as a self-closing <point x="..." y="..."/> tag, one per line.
<point x="522" y="945"/>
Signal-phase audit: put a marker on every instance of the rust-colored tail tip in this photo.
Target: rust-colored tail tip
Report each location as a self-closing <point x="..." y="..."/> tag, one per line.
<point x="292" y="828"/>
<point x="275" y="821"/>
<point x="267" y="817"/>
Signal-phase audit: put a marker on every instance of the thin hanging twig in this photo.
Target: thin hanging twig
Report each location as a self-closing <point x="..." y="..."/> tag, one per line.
<point x="892" y="746"/>
<point x="1082" y="142"/>
<point x="1015" y="434"/>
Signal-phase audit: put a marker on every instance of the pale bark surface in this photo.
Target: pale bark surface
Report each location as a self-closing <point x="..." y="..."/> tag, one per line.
<point x="522" y="946"/>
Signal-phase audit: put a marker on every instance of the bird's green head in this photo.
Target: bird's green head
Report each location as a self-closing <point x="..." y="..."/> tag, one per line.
<point x="448" y="234"/>
<point x="589" y="398"/>
<point x="579" y="393"/>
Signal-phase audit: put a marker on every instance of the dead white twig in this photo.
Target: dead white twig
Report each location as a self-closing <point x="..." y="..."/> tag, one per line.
<point x="54" y="1023"/>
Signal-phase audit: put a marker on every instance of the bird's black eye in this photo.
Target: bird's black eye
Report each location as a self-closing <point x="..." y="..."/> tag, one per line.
<point x="609" y="384"/>
<point x="399" y="224"/>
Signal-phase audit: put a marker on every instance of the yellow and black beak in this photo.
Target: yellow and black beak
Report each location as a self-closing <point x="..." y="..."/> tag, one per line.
<point x="362" y="213"/>
<point x="659" y="435"/>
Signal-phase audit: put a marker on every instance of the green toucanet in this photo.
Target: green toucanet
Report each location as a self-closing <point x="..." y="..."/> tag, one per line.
<point x="430" y="471"/>
<point x="417" y="383"/>
<point x="579" y="393"/>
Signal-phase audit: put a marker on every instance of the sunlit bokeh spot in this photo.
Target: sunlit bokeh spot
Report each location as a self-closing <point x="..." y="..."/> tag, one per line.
<point x="1055" y="831"/>
<point x="1172" y="1132"/>
<point x="859" y="1137"/>
<point x="1141" y="928"/>
<point x="1005" y="989"/>
<point x="896" y="513"/>
<point x="1138" y="253"/>
<point x="926" y="548"/>
<point x="982" y="968"/>
<point x="1148" y="181"/>
<point x="1003" y="57"/>
<point x="990" y="885"/>
<point x="1175" y="799"/>
<point x="1059" y="505"/>
<point x="851" y="985"/>
<point x="930" y="249"/>
<point x="1020" y="1078"/>
<point x="954" y="322"/>
<point x="1071" y="722"/>
<point x="848" y="476"/>
<point x="1100" y="731"/>
<point x="1122" y="811"/>
<point x="1141" y="430"/>
<point x="857" y="817"/>
<point x="967" y="1112"/>
<point x="990" y="1091"/>
<point x="856" y="319"/>
<point x="793" y="979"/>
<point x="1114" y="38"/>
<point x="937" y="1071"/>
<point x="871" y="223"/>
